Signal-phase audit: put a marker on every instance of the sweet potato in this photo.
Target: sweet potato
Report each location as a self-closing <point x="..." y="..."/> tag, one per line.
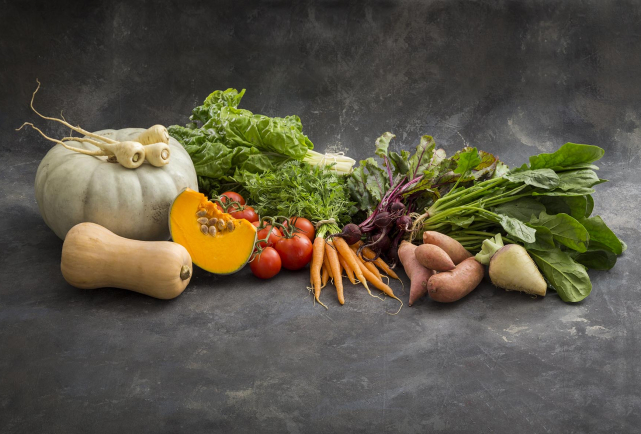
<point x="418" y="274"/>
<point x="433" y="257"/>
<point x="453" y="285"/>
<point x="452" y="247"/>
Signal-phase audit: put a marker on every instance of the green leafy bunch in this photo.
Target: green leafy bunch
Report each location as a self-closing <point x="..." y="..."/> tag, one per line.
<point x="231" y="142"/>
<point x="546" y="207"/>
<point x="298" y="189"/>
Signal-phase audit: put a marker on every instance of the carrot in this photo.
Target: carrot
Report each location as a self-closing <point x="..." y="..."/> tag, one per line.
<point x="348" y="270"/>
<point x="367" y="264"/>
<point x="378" y="283"/>
<point x="318" y="250"/>
<point x="369" y="254"/>
<point x="335" y="266"/>
<point x="324" y="275"/>
<point x="329" y="269"/>
<point x="350" y="259"/>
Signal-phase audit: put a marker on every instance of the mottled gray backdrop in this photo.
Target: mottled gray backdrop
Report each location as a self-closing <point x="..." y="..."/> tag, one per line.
<point x="234" y="354"/>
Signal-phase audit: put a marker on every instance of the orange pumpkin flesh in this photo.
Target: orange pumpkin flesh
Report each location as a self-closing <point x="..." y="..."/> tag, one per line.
<point x="223" y="253"/>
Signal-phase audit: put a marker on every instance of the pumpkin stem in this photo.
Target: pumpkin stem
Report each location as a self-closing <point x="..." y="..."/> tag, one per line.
<point x="185" y="272"/>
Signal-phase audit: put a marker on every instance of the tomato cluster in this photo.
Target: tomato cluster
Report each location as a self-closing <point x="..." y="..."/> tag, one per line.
<point x="290" y="247"/>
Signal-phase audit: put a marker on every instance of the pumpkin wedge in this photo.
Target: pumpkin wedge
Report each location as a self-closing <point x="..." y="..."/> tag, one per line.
<point x="216" y="241"/>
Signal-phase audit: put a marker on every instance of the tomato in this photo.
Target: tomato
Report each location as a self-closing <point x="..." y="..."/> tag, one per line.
<point x="306" y="227"/>
<point x="295" y="252"/>
<point x="266" y="264"/>
<point x="232" y="196"/>
<point x="274" y="235"/>
<point x="247" y="212"/>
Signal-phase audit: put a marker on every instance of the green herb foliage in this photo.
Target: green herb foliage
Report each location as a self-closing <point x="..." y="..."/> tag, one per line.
<point x="298" y="189"/>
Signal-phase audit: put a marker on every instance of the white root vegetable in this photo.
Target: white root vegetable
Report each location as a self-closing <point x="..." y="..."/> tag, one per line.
<point x="511" y="267"/>
<point x="130" y="154"/>
<point x="157" y="154"/>
<point x="154" y="134"/>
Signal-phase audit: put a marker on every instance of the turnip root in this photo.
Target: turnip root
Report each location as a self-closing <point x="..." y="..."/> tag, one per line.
<point x="418" y="274"/>
<point x="511" y="267"/>
<point x="433" y="257"/>
<point x="453" y="248"/>
<point x="451" y="286"/>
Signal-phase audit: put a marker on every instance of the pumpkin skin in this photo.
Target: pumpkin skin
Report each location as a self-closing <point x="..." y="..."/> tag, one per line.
<point x="72" y="188"/>
<point x="94" y="257"/>
<point x="224" y="253"/>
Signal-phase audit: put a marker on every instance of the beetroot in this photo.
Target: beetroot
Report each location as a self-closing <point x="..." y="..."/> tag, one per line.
<point x="351" y="234"/>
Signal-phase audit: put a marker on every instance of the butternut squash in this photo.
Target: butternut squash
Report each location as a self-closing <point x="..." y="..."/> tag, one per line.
<point x="94" y="257"/>
<point x="216" y="241"/>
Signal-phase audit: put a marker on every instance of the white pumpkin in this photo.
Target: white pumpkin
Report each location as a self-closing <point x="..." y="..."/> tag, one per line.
<point x="72" y="188"/>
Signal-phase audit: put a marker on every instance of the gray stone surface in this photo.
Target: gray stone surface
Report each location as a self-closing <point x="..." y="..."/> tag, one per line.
<point x="234" y="354"/>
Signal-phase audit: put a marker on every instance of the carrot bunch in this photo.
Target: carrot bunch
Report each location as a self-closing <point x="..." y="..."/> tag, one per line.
<point x="332" y="255"/>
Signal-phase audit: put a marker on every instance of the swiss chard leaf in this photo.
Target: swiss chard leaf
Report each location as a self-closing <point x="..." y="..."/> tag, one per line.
<point x="570" y="154"/>
<point x="565" y="229"/>
<point x="542" y="178"/>
<point x="569" y="279"/>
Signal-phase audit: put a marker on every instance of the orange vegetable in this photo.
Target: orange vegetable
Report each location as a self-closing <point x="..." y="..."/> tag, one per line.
<point x="335" y="267"/>
<point x="216" y="241"/>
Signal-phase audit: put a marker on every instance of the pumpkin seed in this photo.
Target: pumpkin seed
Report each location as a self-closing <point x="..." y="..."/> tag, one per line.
<point x="230" y="225"/>
<point x="212" y="231"/>
<point x="202" y="220"/>
<point x="201" y="213"/>
<point x="204" y="229"/>
<point x="221" y="225"/>
<point x="212" y="221"/>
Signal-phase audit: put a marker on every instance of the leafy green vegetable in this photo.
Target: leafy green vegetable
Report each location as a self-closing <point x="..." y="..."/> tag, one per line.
<point x="467" y="161"/>
<point x="565" y="230"/>
<point x="577" y="179"/>
<point x="544" y="207"/>
<point x="570" y="154"/>
<point x="298" y="189"/>
<point x="569" y="279"/>
<point x="596" y="259"/>
<point x="544" y="178"/>
<point x="602" y="234"/>
<point x="575" y="206"/>
<point x="517" y="228"/>
<point x="522" y="209"/>
<point x="233" y="142"/>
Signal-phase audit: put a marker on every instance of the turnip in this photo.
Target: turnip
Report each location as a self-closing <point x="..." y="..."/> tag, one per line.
<point x="511" y="267"/>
